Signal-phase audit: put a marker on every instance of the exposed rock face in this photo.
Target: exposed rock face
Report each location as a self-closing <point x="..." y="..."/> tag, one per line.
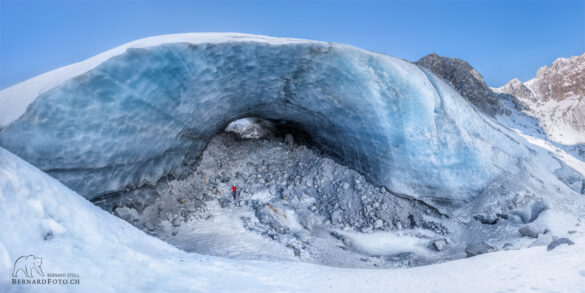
<point x="556" y="96"/>
<point x="564" y="79"/>
<point x="464" y="78"/>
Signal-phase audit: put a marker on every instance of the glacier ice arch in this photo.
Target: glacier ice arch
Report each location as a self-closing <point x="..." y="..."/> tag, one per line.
<point x="149" y="111"/>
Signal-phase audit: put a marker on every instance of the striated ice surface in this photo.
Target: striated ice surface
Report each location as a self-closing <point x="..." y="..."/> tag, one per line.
<point x="150" y="111"/>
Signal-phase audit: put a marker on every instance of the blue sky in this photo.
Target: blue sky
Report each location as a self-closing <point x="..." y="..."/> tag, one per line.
<point x="501" y="39"/>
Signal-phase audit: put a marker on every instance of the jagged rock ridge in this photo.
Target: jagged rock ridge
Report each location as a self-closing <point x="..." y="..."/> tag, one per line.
<point x="556" y="96"/>
<point x="464" y="78"/>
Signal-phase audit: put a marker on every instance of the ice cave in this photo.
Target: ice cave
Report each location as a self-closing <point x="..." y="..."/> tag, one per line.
<point x="143" y="114"/>
<point x="357" y="159"/>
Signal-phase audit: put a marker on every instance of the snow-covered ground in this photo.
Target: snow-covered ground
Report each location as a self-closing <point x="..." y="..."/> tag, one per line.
<point x="109" y="254"/>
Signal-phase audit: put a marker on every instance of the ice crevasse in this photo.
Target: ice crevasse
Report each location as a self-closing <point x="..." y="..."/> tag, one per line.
<point x="148" y="108"/>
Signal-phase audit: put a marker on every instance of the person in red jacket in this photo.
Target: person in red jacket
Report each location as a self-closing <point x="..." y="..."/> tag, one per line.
<point x="234" y="188"/>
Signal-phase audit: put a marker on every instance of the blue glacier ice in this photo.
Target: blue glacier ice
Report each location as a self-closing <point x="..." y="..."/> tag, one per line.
<point x="150" y="111"/>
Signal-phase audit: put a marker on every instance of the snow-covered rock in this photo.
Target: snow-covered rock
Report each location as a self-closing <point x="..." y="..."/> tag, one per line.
<point x="474" y="249"/>
<point x="528" y="231"/>
<point x="440" y="244"/>
<point x="249" y="128"/>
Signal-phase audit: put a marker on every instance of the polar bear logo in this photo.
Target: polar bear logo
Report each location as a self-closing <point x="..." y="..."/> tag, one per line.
<point x="27" y="264"/>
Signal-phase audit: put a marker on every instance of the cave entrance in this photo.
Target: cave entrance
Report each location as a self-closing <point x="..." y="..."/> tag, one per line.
<point x="254" y="128"/>
<point x="293" y="202"/>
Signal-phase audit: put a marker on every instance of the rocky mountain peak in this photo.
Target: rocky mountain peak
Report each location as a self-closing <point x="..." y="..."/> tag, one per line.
<point x="517" y="89"/>
<point x="556" y="96"/>
<point x="564" y="78"/>
<point x="464" y="78"/>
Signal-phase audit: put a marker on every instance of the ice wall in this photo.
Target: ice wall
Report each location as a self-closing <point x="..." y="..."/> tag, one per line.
<point x="145" y="112"/>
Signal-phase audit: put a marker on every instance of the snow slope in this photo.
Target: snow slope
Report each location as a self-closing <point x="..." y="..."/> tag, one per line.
<point x="110" y="254"/>
<point x="150" y="109"/>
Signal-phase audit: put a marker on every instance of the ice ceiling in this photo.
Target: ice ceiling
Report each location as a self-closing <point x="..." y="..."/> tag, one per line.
<point x="151" y="111"/>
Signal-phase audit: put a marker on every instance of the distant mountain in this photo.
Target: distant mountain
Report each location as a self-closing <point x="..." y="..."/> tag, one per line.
<point x="556" y="96"/>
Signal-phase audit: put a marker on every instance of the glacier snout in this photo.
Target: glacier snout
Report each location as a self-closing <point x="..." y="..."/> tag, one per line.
<point x="150" y="111"/>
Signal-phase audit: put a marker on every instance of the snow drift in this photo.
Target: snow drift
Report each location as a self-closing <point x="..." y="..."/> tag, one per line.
<point x="131" y="115"/>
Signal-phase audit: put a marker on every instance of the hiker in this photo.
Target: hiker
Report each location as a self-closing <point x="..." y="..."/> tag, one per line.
<point x="412" y="222"/>
<point x="234" y="188"/>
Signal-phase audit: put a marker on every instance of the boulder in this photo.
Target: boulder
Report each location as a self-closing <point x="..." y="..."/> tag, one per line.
<point x="440" y="244"/>
<point x="474" y="249"/>
<point x="378" y="224"/>
<point x="149" y="226"/>
<point x="224" y="202"/>
<point x="177" y="221"/>
<point x="528" y="231"/>
<point x="558" y="242"/>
